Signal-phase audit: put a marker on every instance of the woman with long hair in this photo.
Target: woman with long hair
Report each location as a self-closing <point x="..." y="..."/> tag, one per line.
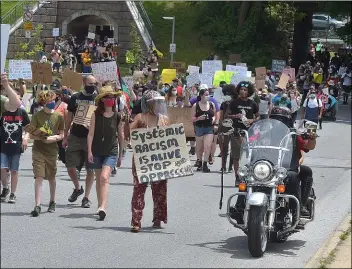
<point x="171" y="97"/>
<point x="203" y="116"/>
<point x="153" y="114"/>
<point x="105" y="125"/>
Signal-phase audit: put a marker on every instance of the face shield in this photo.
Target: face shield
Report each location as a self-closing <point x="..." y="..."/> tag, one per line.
<point x="153" y="103"/>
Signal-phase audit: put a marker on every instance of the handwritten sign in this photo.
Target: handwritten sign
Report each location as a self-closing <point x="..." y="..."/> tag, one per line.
<point x="206" y="78"/>
<point x="291" y="72"/>
<point x="73" y="79"/>
<point x="163" y="156"/>
<point x="193" y="69"/>
<point x="211" y="67"/>
<point x="35" y="131"/>
<point x="105" y="71"/>
<point x="91" y="35"/>
<point x="83" y="114"/>
<point x="236" y="79"/>
<point x="178" y="65"/>
<point x="41" y="73"/>
<point x="260" y="73"/>
<point x="241" y="64"/>
<point x="240" y="70"/>
<point x="20" y="69"/>
<point x="222" y="76"/>
<point x="283" y="81"/>
<point x="278" y="65"/>
<point x="192" y="79"/>
<point x="129" y="81"/>
<point x="234" y="58"/>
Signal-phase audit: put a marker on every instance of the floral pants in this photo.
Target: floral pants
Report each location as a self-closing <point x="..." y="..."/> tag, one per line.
<point x="159" y="191"/>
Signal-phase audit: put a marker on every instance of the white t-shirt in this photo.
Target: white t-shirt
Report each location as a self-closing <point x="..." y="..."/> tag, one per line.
<point x="347" y="79"/>
<point x="312" y="103"/>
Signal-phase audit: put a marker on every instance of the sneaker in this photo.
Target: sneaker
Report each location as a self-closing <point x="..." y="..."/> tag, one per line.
<point x="75" y="194"/>
<point x="52" y="207"/>
<point x="114" y="171"/>
<point x="12" y="198"/>
<point x="85" y="202"/>
<point x="304" y="212"/>
<point x="205" y="168"/>
<point x="230" y="170"/>
<point x="192" y="151"/>
<point x="5" y="192"/>
<point x="102" y="214"/>
<point x="36" y="211"/>
<point x="198" y="164"/>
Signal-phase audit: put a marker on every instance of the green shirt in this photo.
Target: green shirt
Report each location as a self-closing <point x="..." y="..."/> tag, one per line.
<point x="2" y="104"/>
<point x="51" y="123"/>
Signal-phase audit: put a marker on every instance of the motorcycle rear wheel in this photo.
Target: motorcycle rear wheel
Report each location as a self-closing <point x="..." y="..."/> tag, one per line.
<point x="257" y="233"/>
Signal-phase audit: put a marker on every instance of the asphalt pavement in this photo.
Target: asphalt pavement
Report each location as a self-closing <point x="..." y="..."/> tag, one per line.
<point x="197" y="233"/>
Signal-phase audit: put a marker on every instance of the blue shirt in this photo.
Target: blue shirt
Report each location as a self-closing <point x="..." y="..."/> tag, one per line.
<point x="194" y="100"/>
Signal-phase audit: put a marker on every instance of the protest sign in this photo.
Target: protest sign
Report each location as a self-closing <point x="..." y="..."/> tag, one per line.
<point x="283" y="81"/>
<point x="20" y="69"/>
<point x="249" y="74"/>
<point x="251" y="79"/>
<point x="83" y="114"/>
<point x="192" y="79"/>
<point x="236" y="78"/>
<point x="105" y="71"/>
<point x="234" y="58"/>
<point x="41" y="73"/>
<point x="211" y="66"/>
<point x="168" y="75"/>
<point x="317" y="78"/>
<point x="129" y="81"/>
<point x="259" y="83"/>
<point x="193" y="69"/>
<point x="178" y="65"/>
<point x="206" y="78"/>
<point x="260" y="73"/>
<point x="291" y="72"/>
<point x="222" y="76"/>
<point x="240" y="70"/>
<point x="91" y="35"/>
<point x="138" y="74"/>
<point x="182" y="114"/>
<point x="241" y="64"/>
<point x="35" y="131"/>
<point x="111" y="40"/>
<point x="278" y="65"/>
<point x="26" y="101"/>
<point x="72" y="79"/>
<point x="162" y="156"/>
<point x="5" y="33"/>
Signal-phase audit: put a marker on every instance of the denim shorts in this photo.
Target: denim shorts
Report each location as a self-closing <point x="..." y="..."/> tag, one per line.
<point x="11" y="162"/>
<point x="100" y="161"/>
<point x="200" y="131"/>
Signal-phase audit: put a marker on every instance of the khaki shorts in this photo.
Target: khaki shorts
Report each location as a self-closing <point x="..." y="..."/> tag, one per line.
<point x="44" y="166"/>
<point x="76" y="152"/>
<point x="236" y="147"/>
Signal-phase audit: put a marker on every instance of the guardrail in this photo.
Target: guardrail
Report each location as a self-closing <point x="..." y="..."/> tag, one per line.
<point x="16" y="12"/>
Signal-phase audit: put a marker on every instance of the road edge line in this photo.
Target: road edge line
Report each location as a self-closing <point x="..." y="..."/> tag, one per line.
<point x="330" y="244"/>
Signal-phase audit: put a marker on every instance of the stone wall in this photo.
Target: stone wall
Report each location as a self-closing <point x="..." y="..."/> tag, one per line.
<point x="60" y="14"/>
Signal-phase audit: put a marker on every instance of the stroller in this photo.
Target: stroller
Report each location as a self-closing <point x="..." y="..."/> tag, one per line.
<point x="330" y="109"/>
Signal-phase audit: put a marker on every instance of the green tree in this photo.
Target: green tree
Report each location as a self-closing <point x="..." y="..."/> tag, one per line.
<point x="30" y="49"/>
<point x="134" y="55"/>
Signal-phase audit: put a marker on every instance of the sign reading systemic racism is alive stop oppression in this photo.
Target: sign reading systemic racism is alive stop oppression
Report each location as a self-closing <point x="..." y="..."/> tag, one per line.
<point x="160" y="153"/>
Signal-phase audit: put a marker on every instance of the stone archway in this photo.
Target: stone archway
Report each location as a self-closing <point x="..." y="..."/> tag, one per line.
<point x="93" y="13"/>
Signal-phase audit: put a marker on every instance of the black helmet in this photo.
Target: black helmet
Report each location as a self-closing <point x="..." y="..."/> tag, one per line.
<point x="282" y="114"/>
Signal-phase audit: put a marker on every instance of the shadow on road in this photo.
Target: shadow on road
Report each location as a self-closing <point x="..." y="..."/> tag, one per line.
<point x="16" y="214"/>
<point x="121" y="184"/>
<point x="219" y="186"/>
<point x="238" y="247"/>
<point x="78" y="216"/>
<point x="123" y="229"/>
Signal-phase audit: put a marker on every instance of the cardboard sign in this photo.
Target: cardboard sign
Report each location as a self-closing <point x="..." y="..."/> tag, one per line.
<point x="260" y="83"/>
<point x="291" y="72"/>
<point x="283" y="81"/>
<point x="41" y="73"/>
<point x="154" y="66"/>
<point x="182" y="114"/>
<point x="35" y="131"/>
<point x="206" y="78"/>
<point x="234" y="58"/>
<point x="241" y="64"/>
<point x="168" y="75"/>
<point x="5" y="34"/>
<point x="20" y="69"/>
<point x="83" y="114"/>
<point x="192" y="79"/>
<point x="260" y="73"/>
<point x="240" y="70"/>
<point x="163" y="156"/>
<point x="211" y="67"/>
<point x="105" y="71"/>
<point x="278" y="65"/>
<point x="193" y="69"/>
<point x="178" y="65"/>
<point x="72" y="79"/>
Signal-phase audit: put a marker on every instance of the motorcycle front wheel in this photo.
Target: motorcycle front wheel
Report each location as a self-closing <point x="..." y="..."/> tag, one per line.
<point x="257" y="233"/>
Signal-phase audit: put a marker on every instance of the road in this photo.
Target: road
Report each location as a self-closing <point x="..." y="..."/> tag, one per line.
<point x="197" y="234"/>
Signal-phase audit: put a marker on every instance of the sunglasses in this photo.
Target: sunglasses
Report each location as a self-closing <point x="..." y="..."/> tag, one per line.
<point x="244" y="85"/>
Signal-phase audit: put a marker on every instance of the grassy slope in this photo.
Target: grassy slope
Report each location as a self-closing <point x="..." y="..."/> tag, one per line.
<point x="5" y="6"/>
<point x="189" y="47"/>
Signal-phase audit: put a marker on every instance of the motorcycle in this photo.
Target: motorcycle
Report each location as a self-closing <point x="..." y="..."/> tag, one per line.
<point x="263" y="166"/>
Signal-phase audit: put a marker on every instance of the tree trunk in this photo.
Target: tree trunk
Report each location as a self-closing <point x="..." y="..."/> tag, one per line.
<point x="301" y="39"/>
<point x="243" y="13"/>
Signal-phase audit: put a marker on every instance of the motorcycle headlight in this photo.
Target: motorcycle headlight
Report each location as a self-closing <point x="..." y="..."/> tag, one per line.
<point x="243" y="171"/>
<point x="262" y="170"/>
<point x="281" y="173"/>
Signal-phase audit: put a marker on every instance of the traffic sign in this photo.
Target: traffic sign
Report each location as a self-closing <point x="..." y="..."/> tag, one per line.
<point x="28" y="26"/>
<point x="28" y="34"/>
<point x="172" y="48"/>
<point x="28" y="16"/>
<point x="56" y="32"/>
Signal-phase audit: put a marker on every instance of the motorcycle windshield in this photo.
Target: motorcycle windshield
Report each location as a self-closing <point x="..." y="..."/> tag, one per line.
<point x="268" y="140"/>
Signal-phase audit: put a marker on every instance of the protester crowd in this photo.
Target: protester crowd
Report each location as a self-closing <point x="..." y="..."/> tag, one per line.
<point x="100" y="146"/>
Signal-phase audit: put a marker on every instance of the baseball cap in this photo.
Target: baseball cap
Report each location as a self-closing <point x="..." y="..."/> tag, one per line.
<point x="55" y="85"/>
<point x="203" y="87"/>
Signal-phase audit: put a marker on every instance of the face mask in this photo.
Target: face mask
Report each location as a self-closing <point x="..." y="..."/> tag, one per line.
<point x="207" y="98"/>
<point x="90" y="89"/>
<point x="166" y="89"/>
<point x="174" y="93"/>
<point x="312" y="96"/>
<point x="50" y="105"/>
<point x="109" y="102"/>
<point x="65" y="91"/>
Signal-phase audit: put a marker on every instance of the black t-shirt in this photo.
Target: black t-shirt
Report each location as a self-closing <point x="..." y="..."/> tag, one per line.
<point x="248" y="108"/>
<point x="12" y="124"/>
<point x="137" y="108"/>
<point x="77" y="98"/>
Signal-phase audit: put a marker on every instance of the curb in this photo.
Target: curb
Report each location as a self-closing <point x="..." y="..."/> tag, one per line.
<point x="330" y="244"/>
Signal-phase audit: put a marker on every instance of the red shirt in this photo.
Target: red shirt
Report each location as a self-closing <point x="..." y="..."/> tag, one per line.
<point x="300" y="143"/>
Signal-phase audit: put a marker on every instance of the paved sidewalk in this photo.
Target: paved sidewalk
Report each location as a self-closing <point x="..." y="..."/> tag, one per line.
<point x="342" y="257"/>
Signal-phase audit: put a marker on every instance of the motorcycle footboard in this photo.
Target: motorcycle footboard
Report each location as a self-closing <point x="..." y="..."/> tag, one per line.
<point x="290" y="229"/>
<point x="235" y="224"/>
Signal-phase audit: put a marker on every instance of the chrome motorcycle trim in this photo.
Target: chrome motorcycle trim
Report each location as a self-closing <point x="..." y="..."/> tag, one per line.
<point x="268" y="178"/>
<point x="257" y="199"/>
<point x="272" y="208"/>
<point x="290" y="229"/>
<point x="247" y="207"/>
<point x="239" y="226"/>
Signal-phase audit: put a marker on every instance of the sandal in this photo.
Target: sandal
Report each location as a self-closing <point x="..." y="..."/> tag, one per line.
<point x="135" y="229"/>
